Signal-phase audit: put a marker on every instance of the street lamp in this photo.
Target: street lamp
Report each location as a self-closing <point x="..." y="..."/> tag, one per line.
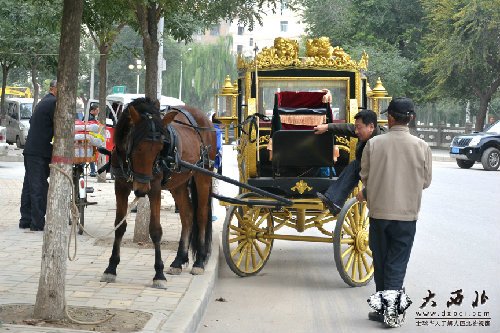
<point x="180" y="79"/>
<point x="137" y="67"/>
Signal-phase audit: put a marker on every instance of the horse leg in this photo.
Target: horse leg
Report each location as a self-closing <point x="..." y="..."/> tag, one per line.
<point x="202" y="231"/>
<point x="181" y="197"/>
<point x="122" y="191"/>
<point x="155" y="232"/>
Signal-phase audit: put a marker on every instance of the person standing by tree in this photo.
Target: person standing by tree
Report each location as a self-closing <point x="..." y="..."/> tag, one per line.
<point x="395" y="168"/>
<point x="37" y="154"/>
<point x="93" y="116"/>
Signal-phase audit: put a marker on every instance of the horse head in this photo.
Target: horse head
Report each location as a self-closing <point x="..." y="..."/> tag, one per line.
<point x="145" y="142"/>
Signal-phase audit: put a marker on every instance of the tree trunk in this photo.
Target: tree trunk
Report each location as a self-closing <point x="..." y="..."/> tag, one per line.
<point x="148" y="23"/>
<point x="484" y="100"/>
<point x="50" y="299"/>
<point x="141" y="228"/>
<point x="5" y="73"/>
<point x="34" y="81"/>
<point x="103" y="75"/>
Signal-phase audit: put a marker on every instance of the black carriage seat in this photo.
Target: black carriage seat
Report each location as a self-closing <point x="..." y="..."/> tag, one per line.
<point x="301" y="149"/>
<point x="300" y="152"/>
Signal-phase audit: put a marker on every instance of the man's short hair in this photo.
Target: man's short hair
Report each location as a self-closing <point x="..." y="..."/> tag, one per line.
<point x="53" y="84"/>
<point x="93" y="107"/>
<point x="367" y="117"/>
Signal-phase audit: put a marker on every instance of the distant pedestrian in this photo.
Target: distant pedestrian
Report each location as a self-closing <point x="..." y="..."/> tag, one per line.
<point x="93" y="116"/>
<point x="395" y="168"/>
<point x="37" y="154"/>
<point x="491" y="121"/>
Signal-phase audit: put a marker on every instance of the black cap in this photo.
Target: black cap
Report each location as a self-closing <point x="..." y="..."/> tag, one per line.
<point x="400" y="105"/>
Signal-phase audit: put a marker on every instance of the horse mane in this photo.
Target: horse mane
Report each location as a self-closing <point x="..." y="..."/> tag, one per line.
<point x="143" y="106"/>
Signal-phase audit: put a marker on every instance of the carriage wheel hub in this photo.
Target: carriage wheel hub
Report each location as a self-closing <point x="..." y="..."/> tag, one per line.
<point x="362" y="241"/>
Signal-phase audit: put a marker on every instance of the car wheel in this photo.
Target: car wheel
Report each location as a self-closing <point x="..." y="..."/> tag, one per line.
<point x="465" y="164"/>
<point x="491" y="159"/>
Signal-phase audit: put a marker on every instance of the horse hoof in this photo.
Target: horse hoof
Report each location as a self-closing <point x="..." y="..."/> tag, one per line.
<point x="197" y="271"/>
<point x="106" y="277"/>
<point x="160" y="284"/>
<point x="174" y="271"/>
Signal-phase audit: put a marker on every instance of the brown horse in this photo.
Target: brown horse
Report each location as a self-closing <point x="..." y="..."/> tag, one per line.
<point x="144" y="160"/>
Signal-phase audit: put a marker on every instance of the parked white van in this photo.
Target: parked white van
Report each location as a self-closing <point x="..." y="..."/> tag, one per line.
<point x="119" y="101"/>
<point x="17" y="119"/>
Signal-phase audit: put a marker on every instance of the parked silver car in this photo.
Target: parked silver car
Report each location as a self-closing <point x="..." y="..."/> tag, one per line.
<point x="4" y="146"/>
<point x="17" y="119"/>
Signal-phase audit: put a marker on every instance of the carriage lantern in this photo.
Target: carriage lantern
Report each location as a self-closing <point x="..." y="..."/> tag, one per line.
<point x="378" y="99"/>
<point x="225" y="107"/>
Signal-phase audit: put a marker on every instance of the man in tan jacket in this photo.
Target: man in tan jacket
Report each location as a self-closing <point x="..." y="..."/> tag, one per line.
<point x="395" y="168"/>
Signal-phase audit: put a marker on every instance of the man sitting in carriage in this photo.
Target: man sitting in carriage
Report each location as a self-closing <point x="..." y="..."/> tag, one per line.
<point x="364" y="128"/>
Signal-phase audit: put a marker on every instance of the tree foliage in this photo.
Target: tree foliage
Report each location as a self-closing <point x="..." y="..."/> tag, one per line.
<point x="462" y="43"/>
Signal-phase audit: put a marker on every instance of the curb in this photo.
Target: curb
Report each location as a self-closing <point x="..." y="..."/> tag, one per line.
<point x="189" y="312"/>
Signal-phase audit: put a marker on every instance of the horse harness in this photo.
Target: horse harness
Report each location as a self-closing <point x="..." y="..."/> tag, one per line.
<point x="167" y="161"/>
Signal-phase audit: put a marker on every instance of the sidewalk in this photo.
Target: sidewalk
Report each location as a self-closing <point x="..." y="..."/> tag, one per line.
<point x="179" y="308"/>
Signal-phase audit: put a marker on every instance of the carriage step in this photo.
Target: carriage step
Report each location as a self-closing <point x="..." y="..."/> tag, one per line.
<point x="89" y="189"/>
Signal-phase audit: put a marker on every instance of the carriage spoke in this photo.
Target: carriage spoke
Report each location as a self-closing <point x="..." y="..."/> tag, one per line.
<point x="347" y="251"/>
<point x="262" y="219"/>
<point x="369" y="252"/>
<point x="247" y="256"/>
<point x="347" y="229"/>
<point x="265" y="241"/>
<point x="365" y="263"/>
<point x="257" y="247"/>
<point x="349" y="261"/>
<point x="360" y="268"/>
<point x="237" y="249"/>
<point x="352" y="222"/>
<point x="254" y="260"/>
<point x="238" y="229"/>
<point x="236" y="239"/>
<point x="256" y="214"/>
<point x="355" y="209"/>
<point x="347" y="241"/>
<point x="240" y="258"/>
<point x="354" y="266"/>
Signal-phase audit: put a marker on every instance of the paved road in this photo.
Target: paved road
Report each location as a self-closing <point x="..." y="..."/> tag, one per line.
<point x="456" y="247"/>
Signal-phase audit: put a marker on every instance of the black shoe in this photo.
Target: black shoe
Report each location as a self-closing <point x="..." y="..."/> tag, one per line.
<point x="375" y="316"/>
<point x="93" y="174"/>
<point x="33" y="228"/>
<point x="23" y="225"/>
<point x="334" y="210"/>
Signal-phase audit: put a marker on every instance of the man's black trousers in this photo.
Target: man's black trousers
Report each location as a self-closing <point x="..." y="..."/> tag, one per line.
<point x="34" y="193"/>
<point x="391" y="242"/>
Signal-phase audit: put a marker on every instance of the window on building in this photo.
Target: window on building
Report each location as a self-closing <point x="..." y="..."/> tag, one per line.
<point x="284" y="6"/>
<point x="214" y="31"/>
<point x="284" y="26"/>
<point x="241" y="30"/>
<point x="251" y="42"/>
<point x="239" y="49"/>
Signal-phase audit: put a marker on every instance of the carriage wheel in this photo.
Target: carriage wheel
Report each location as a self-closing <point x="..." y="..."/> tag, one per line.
<point x="245" y="249"/>
<point x="353" y="256"/>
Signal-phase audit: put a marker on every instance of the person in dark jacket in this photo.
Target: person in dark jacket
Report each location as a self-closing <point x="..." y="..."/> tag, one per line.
<point x="364" y="128"/>
<point x="37" y="154"/>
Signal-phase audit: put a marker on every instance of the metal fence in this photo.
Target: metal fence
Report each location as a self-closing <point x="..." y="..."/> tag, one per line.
<point x="440" y="136"/>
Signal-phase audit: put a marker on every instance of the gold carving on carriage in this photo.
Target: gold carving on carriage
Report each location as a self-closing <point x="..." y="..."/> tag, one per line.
<point x="301" y="186"/>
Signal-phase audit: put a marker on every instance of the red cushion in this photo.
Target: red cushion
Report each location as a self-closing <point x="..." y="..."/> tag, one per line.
<point x="303" y="99"/>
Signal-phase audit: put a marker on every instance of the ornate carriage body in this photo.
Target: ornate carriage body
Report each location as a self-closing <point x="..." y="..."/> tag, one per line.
<point x="281" y="154"/>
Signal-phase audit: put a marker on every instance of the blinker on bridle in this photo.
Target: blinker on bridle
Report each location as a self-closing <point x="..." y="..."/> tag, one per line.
<point x="154" y="134"/>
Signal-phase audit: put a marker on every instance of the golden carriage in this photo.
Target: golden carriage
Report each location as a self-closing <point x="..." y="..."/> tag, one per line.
<point x="252" y="223"/>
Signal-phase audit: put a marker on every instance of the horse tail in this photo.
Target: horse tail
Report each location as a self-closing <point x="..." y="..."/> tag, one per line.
<point x="197" y="248"/>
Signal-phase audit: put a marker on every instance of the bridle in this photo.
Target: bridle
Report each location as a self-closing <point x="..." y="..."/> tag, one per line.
<point x="155" y="133"/>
